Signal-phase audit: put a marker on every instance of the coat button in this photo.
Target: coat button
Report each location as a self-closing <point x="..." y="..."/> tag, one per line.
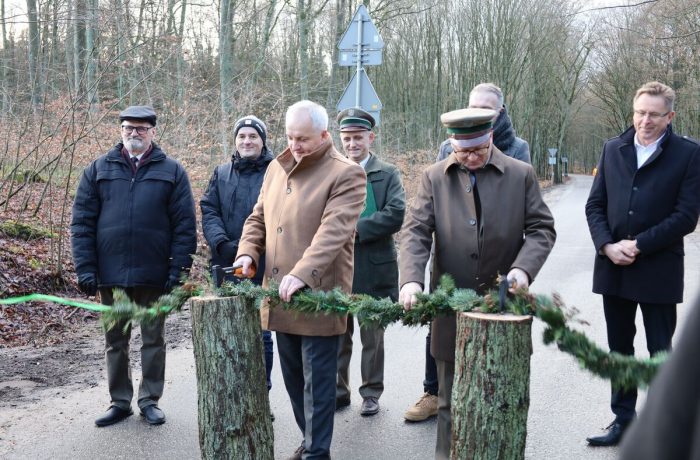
<point x="474" y="255"/>
<point x="275" y="271"/>
<point x="631" y="212"/>
<point x="634" y="189"/>
<point x="472" y="221"/>
<point x="289" y="190"/>
<point x="279" y="229"/>
<point x="469" y="188"/>
<point x="314" y="272"/>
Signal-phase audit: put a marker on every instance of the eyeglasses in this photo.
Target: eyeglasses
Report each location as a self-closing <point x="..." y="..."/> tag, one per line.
<point x="651" y="115"/>
<point x="478" y="151"/>
<point x="139" y="129"/>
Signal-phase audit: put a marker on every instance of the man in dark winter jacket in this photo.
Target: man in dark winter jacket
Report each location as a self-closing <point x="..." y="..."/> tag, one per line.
<point x="133" y="228"/>
<point x="229" y="199"/>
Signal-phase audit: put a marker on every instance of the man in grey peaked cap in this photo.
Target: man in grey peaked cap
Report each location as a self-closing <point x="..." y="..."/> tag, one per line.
<point x="517" y="233"/>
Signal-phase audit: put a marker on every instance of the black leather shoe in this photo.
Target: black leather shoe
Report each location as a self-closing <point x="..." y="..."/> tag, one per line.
<point x="612" y="437"/>
<point x="153" y="415"/>
<point x="370" y="406"/>
<point x="341" y="402"/>
<point x="113" y="415"/>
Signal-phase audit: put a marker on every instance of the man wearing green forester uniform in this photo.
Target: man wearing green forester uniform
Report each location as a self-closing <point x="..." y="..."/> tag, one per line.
<point x="376" y="268"/>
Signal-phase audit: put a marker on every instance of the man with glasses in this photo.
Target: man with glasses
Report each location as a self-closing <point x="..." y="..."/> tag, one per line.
<point x="133" y="228"/>
<point x="485" y="212"/>
<point x="645" y="198"/>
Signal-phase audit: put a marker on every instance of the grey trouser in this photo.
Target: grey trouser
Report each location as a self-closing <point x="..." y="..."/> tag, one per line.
<point x="309" y="365"/>
<point x="446" y="375"/>
<point x="371" y="366"/>
<point x="121" y="389"/>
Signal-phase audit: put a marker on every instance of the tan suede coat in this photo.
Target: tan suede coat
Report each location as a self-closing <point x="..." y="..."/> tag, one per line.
<point x="516" y="230"/>
<point x="304" y="221"/>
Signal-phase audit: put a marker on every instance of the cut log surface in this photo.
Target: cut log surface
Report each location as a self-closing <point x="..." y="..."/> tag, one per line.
<point x="491" y="391"/>
<point x="233" y="405"/>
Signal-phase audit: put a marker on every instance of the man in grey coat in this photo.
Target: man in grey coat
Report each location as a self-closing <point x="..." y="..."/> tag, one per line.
<point x="376" y="269"/>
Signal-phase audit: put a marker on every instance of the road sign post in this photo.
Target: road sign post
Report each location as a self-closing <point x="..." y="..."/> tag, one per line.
<point x="361" y="45"/>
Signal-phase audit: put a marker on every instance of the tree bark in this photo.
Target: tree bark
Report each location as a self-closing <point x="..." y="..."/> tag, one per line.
<point x="491" y="392"/>
<point x="233" y="406"/>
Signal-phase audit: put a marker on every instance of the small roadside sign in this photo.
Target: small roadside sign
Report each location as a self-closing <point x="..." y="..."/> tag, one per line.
<point x="552" y="152"/>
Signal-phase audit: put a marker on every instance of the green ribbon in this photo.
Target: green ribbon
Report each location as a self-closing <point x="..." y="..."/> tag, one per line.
<point x="50" y="298"/>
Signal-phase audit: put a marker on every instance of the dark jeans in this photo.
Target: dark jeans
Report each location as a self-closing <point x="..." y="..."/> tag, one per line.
<point x="430" y="384"/>
<point x="269" y="354"/>
<point x="659" y="326"/>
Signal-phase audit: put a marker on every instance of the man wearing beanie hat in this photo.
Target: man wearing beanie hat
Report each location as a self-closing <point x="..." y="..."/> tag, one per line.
<point x="485" y="213"/>
<point x="133" y="228"/>
<point x="229" y="199"/>
<point x="375" y="268"/>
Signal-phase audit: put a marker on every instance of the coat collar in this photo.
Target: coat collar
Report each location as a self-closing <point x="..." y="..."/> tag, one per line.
<point x="372" y="164"/>
<point x="289" y="164"/>
<point x="496" y="161"/>
<point x="630" y="151"/>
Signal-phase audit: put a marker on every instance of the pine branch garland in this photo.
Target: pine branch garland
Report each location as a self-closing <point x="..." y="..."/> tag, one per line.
<point x="622" y="371"/>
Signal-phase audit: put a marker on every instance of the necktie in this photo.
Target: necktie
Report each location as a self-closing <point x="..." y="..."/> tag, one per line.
<point x="135" y="162"/>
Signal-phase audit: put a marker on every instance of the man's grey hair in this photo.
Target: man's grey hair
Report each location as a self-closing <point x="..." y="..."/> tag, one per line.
<point x="318" y="114"/>
<point x="488" y="88"/>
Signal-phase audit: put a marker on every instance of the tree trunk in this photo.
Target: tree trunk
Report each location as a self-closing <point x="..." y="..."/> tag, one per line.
<point x="233" y="407"/>
<point x="491" y="392"/>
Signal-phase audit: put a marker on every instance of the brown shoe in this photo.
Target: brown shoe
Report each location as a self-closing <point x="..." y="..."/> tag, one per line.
<point x="425" y="408"/>
<point x="297" y="454"/>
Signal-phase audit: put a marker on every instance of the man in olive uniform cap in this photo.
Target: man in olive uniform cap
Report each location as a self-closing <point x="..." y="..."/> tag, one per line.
<point x="375" y="266"/>
<point x="485" y="212"/>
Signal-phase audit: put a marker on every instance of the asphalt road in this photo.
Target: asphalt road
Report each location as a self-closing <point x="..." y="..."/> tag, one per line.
<point x="567" y="404"/>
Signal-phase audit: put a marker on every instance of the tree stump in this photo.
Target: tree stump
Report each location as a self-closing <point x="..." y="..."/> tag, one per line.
<point x="491" y="391"/>
<point x="233" y="405"/>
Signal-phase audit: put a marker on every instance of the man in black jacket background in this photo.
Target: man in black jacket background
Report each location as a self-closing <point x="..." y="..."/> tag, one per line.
<point x="133" y="228"/>
<point x="229" y="199"/>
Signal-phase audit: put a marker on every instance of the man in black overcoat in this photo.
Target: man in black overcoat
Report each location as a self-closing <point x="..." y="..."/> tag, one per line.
<point x="645" y="198"/>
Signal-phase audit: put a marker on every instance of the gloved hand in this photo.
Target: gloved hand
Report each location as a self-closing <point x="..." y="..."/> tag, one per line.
<point x="227" y="250"/>
<point x="88" y="284"/>
<point x="171" y="284"/>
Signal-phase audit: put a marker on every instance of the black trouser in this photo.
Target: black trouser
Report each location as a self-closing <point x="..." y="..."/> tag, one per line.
<point x="659" y="325"/>
<point x="121" y="389"/>
<point x="309" y="366"/>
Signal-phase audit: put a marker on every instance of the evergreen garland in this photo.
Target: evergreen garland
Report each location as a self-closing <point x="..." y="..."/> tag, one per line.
<point x="623" y="371"/>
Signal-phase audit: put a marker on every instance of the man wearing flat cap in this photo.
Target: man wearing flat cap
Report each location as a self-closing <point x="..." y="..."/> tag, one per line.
<point x="133" y="228"/>
<point x="229" y="199"/>
<point x="485" y="212"/>
<point x="376" y="269"/>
